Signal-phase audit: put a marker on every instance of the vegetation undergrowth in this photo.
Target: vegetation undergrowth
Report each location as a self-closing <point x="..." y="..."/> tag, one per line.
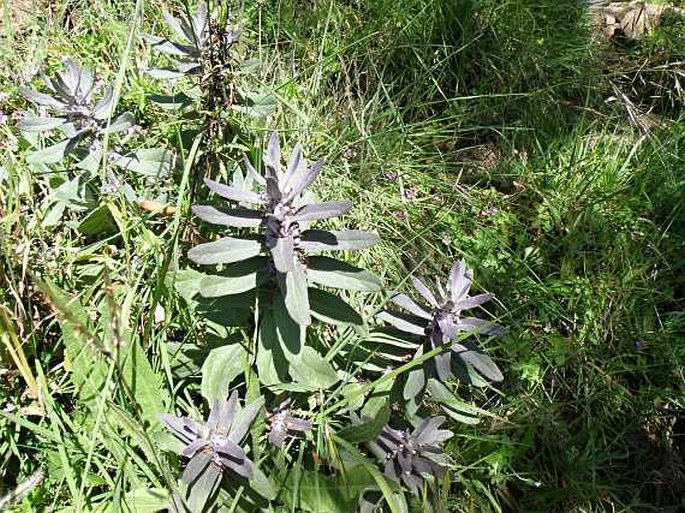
<point x="184" y="325"/>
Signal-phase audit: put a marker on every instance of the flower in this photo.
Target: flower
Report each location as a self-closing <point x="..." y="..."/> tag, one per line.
<point x="281" y="422"/>
<point x="440" y="323"/>
<point x="409" y="456"/>
<point x="214" y="446"/>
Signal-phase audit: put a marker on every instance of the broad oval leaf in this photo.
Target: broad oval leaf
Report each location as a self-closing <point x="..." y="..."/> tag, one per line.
<point x="331" y="309"/>
<point x="323" y="240"/>
<point x="242" y="218"/>
<point x="233" y="193"/>
<point x="404" y="322"/>
<point x="39" y="124"/>
<point x="316" y="211"/>
<point x="336" y="274"/>
<point x="312" y="371"/>
<point x="296" y="296"/>
<point x="221" y="367"/>
<point x="239" y="278"/>
<point x="224" y="251"/>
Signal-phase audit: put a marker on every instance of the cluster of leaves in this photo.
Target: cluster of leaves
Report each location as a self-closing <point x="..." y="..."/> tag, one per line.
<point x="71" y="123"/>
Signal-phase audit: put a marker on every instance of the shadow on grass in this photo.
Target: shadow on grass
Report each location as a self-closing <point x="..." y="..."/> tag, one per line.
<point x="589" y="235"/>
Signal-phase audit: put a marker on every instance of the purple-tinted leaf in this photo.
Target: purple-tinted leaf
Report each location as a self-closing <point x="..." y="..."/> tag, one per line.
<point x="243" y="468"/>
<point x="164" y="73"/>
<point x="272" y="189"/>
<point x="295" y="424"/>
<point x="277" y="436"/>
<point x="237" y="218"/>
<point x="443" y="365"/>
<point x="230" y="450"/>
<point x="488" y="328"/>
<point x="448" y="329"/>
<point x="252" y="172"/>
<point x="244" y="419"/>
<point x="122" y="123"/>
<point x="416" y="381"/>
<point x="473" y="301"/>
<point x="200" y="20"/>
<point x="297" y="166"/>
<point x="184" y="429"/>
<point x="296" y="295"/>
<point x="425" y="292"/>
<point x="323" y="240"/>
<point x="404" y="301"/>
<point x="316" y="211"/>
<point x="272" y="159"/>
<point x="224" y="251"/>
<point x="166" y="46"/>
<point x="404" y="322"/>
<point x="85" y="84"/>
<point x="233" y="193"/>
<point x="283" y="253"/>
<point x="204" y="488"/>
<point x="459" y="281"/>
<point x="196" y="466"/>
<point x="40" y="98"/>
<point x="309" y="177"/>
<point x="428" y="431"/>
<point x="482" y="363"/>
<point x="103" y="107"/>
<point x="39" y="124"/>
<point x="71" y="76"/>
<point x="194" y="446"/>
<point x="175" y="25"/>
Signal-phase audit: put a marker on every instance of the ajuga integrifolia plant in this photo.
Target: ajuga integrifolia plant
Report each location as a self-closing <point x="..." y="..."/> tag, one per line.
<point x="70" y="106"/>
<point x="189" y="48"/>
<point x="281" y="211"/>
<point x="409" y="457"/>
<point x="282" y="423"/>
<point x="441" y="323"/>
<point x="214" y="447"/>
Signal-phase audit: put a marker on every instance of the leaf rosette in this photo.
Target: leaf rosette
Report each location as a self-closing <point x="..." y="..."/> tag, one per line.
<point x="282" y="211"/>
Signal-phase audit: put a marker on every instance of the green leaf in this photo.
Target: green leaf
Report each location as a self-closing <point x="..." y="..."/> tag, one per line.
<point x="39" y="124"/>
<point x="458" y="410"/>
<point x="51" y="154"/>
<point x="312" y="371"/>
<point x="336" y="274"/>
<point x="237" y="279"/>
<point x="331" y="309"/>
<point x="379" y="478"/>
<point x="154" y="162"/>
<point x="221" y="367"/>
<point x="224" y="251"/>
<point x="99" y="221"/>
<point x="143" y="383"/>
<point x="88" y="368"/>
<point x="175" y="102"/>
<point x="261" y="484"/>
<point x="319" y="493"/>
<point x="369" y="428"/>
<point x="272" y="365"/>
<point x="145" y="500"/>
<point x="296" y="297"/>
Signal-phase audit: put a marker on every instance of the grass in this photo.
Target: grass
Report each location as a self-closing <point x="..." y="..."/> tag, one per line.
<point x="475" y="129"/>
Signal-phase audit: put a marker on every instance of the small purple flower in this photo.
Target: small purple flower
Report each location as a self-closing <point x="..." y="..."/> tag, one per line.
<point x="281" y="423"/>
<point x="409" y="456"/>
<point x="391" y="175"/>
